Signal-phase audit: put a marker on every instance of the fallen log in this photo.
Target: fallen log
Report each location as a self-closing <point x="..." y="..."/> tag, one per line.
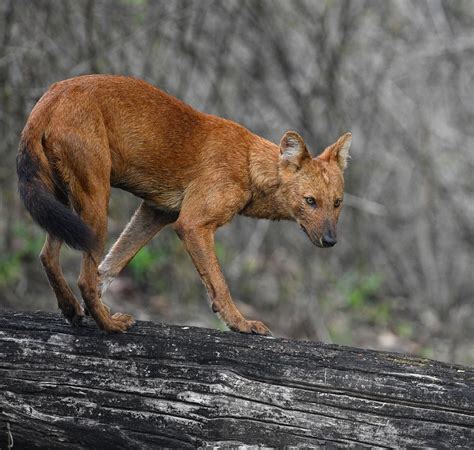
<point x="160" y="385"/>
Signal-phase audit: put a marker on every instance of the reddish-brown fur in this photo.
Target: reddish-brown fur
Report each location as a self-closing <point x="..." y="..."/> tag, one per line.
<point x="193" y="170"/>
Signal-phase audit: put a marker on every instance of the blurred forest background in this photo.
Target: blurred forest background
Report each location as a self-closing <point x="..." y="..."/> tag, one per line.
<point x="398" y="74"/>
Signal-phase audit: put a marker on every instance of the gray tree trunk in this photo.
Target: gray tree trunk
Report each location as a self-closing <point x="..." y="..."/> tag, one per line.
<point x="172" y="386"/>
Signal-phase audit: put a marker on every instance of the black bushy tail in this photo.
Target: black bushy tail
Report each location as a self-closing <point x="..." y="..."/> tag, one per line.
<point x="47" y="211"/>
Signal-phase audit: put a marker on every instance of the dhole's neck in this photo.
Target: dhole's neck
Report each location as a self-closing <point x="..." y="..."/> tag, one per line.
<point x="266" y="201"/>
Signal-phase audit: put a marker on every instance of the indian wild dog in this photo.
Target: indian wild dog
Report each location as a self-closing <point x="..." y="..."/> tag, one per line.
<point x="192" y="170"/>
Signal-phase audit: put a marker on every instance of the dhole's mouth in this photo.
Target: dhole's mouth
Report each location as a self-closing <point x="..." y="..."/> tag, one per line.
<point x="313" y="238"/>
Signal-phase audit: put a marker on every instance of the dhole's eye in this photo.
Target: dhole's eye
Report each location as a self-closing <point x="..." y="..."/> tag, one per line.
<point x="310" y="201"/>
<point x="337" y="202"/>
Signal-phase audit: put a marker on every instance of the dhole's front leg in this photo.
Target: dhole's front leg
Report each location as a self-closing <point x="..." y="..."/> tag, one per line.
<point x="199" y="243"/>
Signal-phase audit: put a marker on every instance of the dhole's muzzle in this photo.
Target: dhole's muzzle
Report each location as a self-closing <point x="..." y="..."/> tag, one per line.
<point x="326" y="238"/>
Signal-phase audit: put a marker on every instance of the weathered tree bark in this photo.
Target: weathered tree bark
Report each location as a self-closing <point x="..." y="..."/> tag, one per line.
<point x="172" y="386"/>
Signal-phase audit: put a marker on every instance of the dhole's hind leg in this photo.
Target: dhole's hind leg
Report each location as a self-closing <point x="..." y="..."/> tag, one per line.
<point x="145" y="223"/>
<point x="93" y="212"/>
<point x="67" y="302"/>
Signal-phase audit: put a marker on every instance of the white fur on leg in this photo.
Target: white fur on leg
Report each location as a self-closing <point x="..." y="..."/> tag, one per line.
<point x="104" y="276"/>
<point x="105" y="283"/>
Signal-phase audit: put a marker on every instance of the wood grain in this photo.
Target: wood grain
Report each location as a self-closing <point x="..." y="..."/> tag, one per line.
<point x="161" y="385"/>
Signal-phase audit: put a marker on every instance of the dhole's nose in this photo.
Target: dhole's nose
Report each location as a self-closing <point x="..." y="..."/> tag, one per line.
<point x="329" y="239"/>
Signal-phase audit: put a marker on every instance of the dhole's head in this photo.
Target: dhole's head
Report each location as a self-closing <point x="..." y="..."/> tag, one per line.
<point x="313" y="188"/>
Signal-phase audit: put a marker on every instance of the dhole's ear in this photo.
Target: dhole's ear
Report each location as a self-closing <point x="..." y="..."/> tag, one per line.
<point x="293" y="149"/>
<point x="339" y="151"/>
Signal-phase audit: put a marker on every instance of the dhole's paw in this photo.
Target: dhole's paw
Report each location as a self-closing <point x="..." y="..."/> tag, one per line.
<point x="253" y="327"/>
<point x="119" y="323"/>
<point x="74" y="315"/>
